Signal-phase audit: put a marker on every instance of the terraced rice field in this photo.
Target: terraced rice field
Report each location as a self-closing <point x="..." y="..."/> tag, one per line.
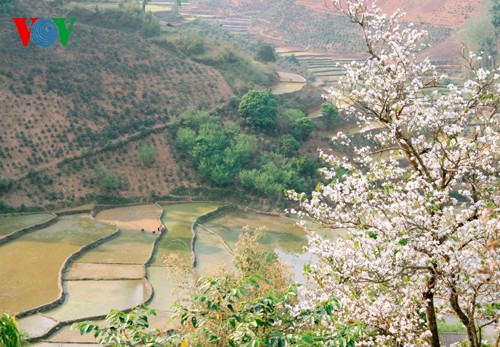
<point x="31" y="263"/>
<point x="132" y="217"/>
<point x="94" y="298"/>
<point x="173" y="258"/>
<point x="9" y="224"/>
<point x="281" y="235"/>
<point x="131" y="268"/>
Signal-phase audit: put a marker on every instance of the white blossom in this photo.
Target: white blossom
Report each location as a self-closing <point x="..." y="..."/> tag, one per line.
<point x="419" y="232"/>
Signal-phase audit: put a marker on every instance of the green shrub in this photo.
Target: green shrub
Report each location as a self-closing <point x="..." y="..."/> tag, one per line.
<point x="289" y="145"/>
<point x="10" y="335"/>
<point x="259" y="108"/>
<point x="147" y="154"/>
<point x="302" y="128"/>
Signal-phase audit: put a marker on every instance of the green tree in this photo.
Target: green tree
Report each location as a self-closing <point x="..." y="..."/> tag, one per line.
<point x="289" y="145"/>
<point x="210" y="156"/>
<point x="245" y="147"/>
<point x="6" y="184"/>
<point x="302" y="128"/>
<point x="495" y="17"/>
<point x="329" y="111"/>
<point x="106" y="180"/>
<point x="186" y="139"/>
<point x="259" y="108"/>
<point x="265" y="53"/>
<point x="147" y="154"/>
<point x="194" y="119"/>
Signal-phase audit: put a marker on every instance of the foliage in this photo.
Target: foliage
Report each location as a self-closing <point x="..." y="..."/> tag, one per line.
<point x="302" y="128"/>
<point x="125" y="329"/>
<point x="259" y="108"/>
<point x="106" y="180"/>
<point x="288" y="145"/>
<point x="271" y="180"/>
<point x="292" y="114"/>
<point x="147" y="154"/>
<point x="217" y="155"/>
<point x="329" y="111"/>
<point x="265" y="53"/>
<point x="255" y="307"/>
<point x="6" y="184"/>
<point x="185" y="139"/>
<point x="10" y="335"/>
<point x="191" y="43"/>
<point x="421" y="228"/>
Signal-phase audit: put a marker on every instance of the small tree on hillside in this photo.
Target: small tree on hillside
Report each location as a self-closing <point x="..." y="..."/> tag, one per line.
<point x="147" y="154"/>
<point x="329" y="111"/>
<point x="423" y="234"/>
<point x="302" y="128"/>
<point x="259" y="108"/>
<point x="265" y="53"/>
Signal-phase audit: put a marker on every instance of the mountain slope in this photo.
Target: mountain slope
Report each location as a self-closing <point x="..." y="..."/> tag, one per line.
<point x="108" y="85"/>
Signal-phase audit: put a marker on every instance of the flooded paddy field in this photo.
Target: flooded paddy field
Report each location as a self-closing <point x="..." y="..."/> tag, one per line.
<point x="31" y="263"/>
<point x="170" y="269"/>
<point x="9" y="224"/>
<point x="133" y="267"/>
<point x="280" y="234"/>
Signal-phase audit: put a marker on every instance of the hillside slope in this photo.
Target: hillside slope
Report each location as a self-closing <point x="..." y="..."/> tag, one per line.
<point x="312" y="25"/>
<point x="108" y="85"/>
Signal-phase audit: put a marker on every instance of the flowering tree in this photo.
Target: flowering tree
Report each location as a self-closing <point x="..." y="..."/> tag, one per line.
<point x="422" y="226"/>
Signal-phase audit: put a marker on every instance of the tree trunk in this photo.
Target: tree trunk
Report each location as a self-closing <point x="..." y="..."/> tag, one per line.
<point x="430" y="312"/>
<point x="468" y="322"/>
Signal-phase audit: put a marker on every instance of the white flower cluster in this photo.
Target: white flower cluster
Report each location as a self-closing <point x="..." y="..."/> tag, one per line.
<point x="419" y="231"/>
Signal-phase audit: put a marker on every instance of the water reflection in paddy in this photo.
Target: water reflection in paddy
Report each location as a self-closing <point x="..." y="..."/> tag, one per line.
<point x="93" y="298"/>
<point x="281" y="235"/>
<point x="130" y="247"/>
<point x="30" y="264"/>
<point x="170" y="272"/>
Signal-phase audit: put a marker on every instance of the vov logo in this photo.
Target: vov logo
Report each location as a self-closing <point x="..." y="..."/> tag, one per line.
<point x="44" y="32"/>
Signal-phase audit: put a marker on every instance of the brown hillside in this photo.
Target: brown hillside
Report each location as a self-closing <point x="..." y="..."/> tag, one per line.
<point x="107" y="85"/>
<point x="449" y="13"/>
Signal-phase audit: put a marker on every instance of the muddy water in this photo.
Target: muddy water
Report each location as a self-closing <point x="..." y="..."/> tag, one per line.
<point x="286" y="87"/>
<point x="95" y="271"/>
<point x="130" y="247"/>
<point x="211" y="255"/>
<point x="93" y="298"/>
<point x="30" y="265"/>
<point x="13" y="223"/>
<point x="178" y="219"/>
<point x="170" y="273"/>
<point x="281" y="235"/>
<point x="132" y="217"/>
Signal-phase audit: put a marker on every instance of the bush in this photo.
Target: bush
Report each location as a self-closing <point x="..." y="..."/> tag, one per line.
<point x="147" y="154"/>
<point x="6" y="184"/>
<point x="186" y="139"/>
<point x="265" y="53"/>
<point x="302" y="128"/>
<point x="259" y="108"/>
<point x="10" y="335"/>
<point x="330" y="112"/>
<point x="289" y="145"/>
